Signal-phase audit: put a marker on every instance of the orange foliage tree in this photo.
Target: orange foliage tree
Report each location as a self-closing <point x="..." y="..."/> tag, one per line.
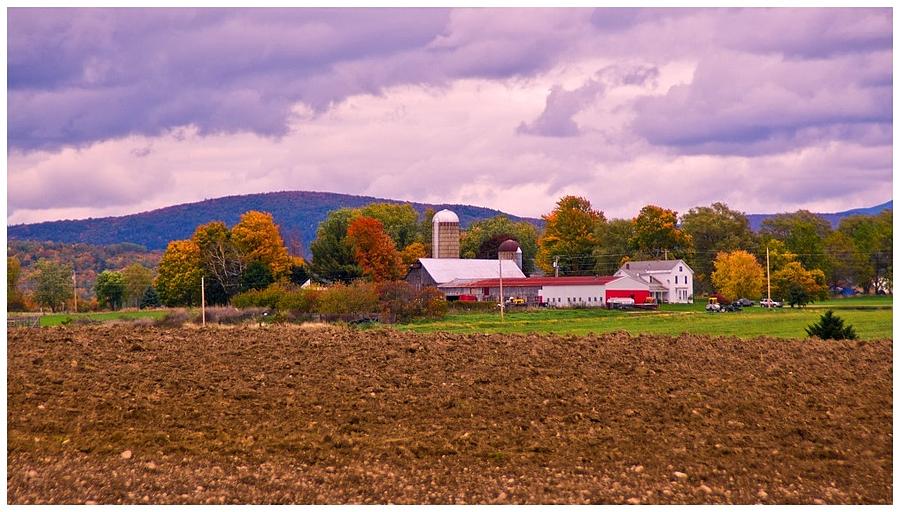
<point x="374" y="250"/>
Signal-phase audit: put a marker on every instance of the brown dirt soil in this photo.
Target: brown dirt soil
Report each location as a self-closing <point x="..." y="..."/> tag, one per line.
<point x="328" y="415"/>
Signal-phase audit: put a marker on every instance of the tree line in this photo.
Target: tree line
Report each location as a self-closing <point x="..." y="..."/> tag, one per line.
<point x="377" y="243"/>
<point x="718" y="244"/>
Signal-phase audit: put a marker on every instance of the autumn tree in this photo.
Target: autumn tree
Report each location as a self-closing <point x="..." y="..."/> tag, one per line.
<point x="333" y="258"/>
<point x="737" y="274"/>
<point x="399" y="221"/>
<point x="14" y="300"/>
<point x="656" y="233"/>
<point x="137" y="279"/>
<point x="178" y="277"/>
<point x="798" y="286"/>
<point x="613" y="245"/>
<point x="257" y="238"/>
<point x="779" y="254"/>
<point x="373" y="250"/>
<point x="713" y="229"/>
<point x="570" y="234"/>
<point x="222" y="261"/>
<point x="412" y="252"/>
<point x="483" y="238"/>
<point x="52" y="284"/>
<point x="110" y="289"/>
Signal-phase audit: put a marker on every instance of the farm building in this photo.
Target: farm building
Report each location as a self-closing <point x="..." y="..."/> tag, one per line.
<point x="670" y="280"/>
<point x="589" y="291"/>
<point x="446" y="265"/>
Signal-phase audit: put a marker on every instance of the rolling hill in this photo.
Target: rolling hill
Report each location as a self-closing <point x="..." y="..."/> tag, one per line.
<point x="296" y="212"/>
<point x="756" y="219"/>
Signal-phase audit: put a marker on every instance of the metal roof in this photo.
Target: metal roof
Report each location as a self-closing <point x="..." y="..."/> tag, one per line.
<point x="444" y="270"/>
<point x="653" y="265"/>
<point x="545" y="281"/>
<point x="445" y="216"/>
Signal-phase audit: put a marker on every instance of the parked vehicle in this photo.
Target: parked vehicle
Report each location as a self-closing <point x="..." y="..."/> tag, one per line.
<point x="769" y="303"/>
<point x="713" y="305"/>
<point x="744" y="302"/>
<point x="649" y="303"/>
<point x="620" y="303"/>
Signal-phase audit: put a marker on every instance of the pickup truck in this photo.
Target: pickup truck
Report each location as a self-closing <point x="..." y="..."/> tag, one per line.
<point x="768" y="303"/>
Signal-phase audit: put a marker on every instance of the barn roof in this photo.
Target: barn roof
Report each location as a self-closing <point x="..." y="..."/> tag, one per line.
<point x="444" y="270"/>
<point x="545" y="281"/>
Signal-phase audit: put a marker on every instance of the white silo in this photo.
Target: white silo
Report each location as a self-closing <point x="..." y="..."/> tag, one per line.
<point x="445" y="235"/>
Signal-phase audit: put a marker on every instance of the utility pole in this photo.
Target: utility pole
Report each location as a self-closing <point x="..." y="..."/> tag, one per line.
<point x="203" y="299"/>
<point x="74" y="290"/>
<point x="768" y="279"/>
<point x="502" y="305"/>
<point x="556" y="265"/>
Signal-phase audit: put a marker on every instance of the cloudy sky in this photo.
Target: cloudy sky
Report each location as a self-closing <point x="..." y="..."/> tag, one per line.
<point x="120" y="111"/>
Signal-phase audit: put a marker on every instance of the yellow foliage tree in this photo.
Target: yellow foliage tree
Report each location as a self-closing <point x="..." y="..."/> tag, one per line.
<point x="180" y="270"/>
<point x="412" y="252"/>
<point x="258" y="239"/>
<point x="737" y="275"/>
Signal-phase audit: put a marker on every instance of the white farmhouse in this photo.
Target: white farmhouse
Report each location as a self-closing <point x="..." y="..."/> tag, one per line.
<point x="670" y="280"/>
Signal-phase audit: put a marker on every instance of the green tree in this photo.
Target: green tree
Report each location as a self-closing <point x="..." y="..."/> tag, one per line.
<point x="713" y="229"/>
<point x="333" y="258"/>
<point x="846" y="263"/>
<point x="737" y="274"/>
<point x="424" y="232"/>
<point x="570" y="234"/>
<point x="803" y="234"/>
<point x="137" y="279"/>
<point x="799" y="286"/>
<point x="150" y="298"/>
<point x="613" y="245"/>
<point x="399" y="221"/>
<point x="483" y="238"/>
<point x="873" y="239"/>
<point x="14" y="300"/>
<point x="180" y="270"/>
<point x="256" y="276"/>
<point x="831" y="327"/>
<point x="110" y="289"/>
<point x="656" y="233"/>
<point x="52" y="284"/>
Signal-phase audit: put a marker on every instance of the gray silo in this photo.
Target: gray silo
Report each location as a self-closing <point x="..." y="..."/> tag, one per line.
<point x="445" y="235"/>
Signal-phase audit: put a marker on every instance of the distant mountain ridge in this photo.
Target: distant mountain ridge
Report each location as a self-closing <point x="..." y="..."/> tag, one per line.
<point x="294" y="211"/>
<point x="756" y="219"/>
<point x="297" y="212"/>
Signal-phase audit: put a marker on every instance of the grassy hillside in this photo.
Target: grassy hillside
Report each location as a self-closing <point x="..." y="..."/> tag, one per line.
<point x="298" y="214"/>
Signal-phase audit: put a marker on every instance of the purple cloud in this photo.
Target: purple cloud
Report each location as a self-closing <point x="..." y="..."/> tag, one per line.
<point x="148" y="107"/>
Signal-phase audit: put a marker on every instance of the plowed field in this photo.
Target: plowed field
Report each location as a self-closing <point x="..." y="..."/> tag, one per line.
<point x="119" y="414"/>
